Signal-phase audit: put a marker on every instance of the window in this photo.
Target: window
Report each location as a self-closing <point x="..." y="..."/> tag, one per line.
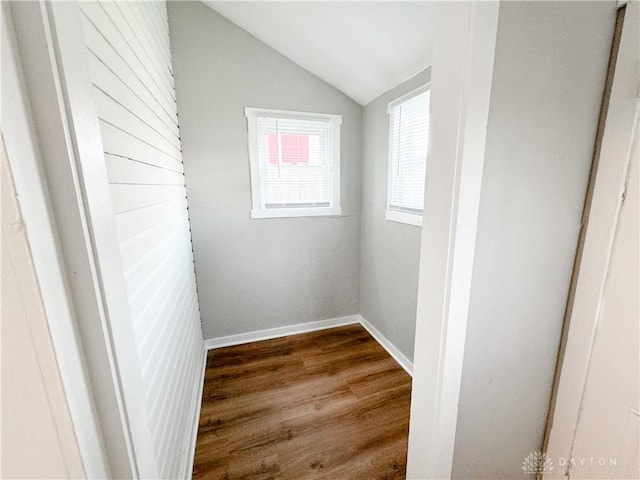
<point x="295" y="163"/>
<point x="408" y="141"/>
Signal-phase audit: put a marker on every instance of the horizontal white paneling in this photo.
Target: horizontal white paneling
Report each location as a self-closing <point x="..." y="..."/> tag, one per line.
<point x="138" y="247"/>
<point x="151" y="310"/>
<point x="131" y="197"/>
<point x="143" y="51"/>
<point x="109" y="81"/>
<point x="136" y="222"/>
<point x="130" y="63"/>
<point x="100" y="48"/>
<point x="124" y="171"/>
<point x="98" y="17"/>
<point x="169" y="347"/>
<point x="145" y="270"/>
<point x="121" y="143"/>
<point x="115" y="114"/>
<point x="140" y="294"/>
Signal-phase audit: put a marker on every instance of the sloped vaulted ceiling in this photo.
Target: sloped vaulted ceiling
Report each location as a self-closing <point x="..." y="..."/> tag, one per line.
<point x="361" y="48"/>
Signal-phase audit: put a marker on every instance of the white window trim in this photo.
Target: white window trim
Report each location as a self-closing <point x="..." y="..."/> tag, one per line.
<point x="391" y="214"/>
<point x="408" y="96"/>
<point x="404" y="217"/>
<point x="257" y="208"/>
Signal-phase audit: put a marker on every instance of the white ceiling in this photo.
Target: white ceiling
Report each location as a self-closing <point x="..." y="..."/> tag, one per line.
<point x="361" y="48"/>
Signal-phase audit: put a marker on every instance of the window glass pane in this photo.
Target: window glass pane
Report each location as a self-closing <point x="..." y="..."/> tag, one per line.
<point x="295" y="159"/>
<point x="294" y="148"/>
<point x="409" y="138"/>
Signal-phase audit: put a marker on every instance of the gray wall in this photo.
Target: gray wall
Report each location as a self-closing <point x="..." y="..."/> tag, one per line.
<point x="264" y="273"/>
<point x="549" y="72"/>
<point x="390" y="251"/>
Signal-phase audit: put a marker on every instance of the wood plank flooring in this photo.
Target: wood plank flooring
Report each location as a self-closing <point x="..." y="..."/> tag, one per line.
<point x="323" y="405"/>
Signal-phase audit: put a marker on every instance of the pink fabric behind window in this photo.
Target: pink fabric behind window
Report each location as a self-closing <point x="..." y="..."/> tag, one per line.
<point x="295" y="149"/>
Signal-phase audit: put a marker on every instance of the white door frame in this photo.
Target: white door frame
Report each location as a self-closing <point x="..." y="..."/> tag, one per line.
<point x="602" y="214"/>
<point x="24" y="157"/>
<point x="464" y="48"/>
<point x="74" y="178"/>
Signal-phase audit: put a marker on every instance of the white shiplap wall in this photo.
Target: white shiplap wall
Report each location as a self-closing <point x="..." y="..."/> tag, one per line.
<point x="130" y="64"/>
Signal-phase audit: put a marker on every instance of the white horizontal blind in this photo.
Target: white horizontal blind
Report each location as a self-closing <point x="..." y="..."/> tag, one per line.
<point x="295" y="158"/>
<point x="409" y="139"/>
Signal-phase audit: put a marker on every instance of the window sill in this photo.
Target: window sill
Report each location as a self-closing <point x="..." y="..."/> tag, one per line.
<point x="297" y="212"/>
<point x="403" y="217"/>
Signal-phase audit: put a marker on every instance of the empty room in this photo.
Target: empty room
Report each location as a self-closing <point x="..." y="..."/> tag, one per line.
<point x="333" y="240"/>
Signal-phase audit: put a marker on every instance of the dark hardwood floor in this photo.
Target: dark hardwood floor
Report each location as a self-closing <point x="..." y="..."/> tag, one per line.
<point x="324" y="405"/>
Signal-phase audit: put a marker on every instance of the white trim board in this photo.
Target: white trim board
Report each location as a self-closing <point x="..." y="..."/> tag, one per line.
<point x="196" y="419"/>
<point x="465" y="43"/>
<point x="385" y="343"/>
<point x="33" y="190"/>
<point x="298" y="328"/>
<point x="278" y="332"/>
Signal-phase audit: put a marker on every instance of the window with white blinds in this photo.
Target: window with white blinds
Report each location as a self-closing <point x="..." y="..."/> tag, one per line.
<point x="295" y="163"/>
<point x="408" y="145"/>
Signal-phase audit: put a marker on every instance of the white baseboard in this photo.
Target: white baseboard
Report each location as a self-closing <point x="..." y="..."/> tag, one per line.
<point x="268" y="334"/>
<point x="391" y="349"/>
<point x="196" y="419"/>
<point x="280" y="332"/>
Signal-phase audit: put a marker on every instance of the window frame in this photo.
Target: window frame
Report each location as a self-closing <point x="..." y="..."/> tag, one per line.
<point x="258" y="209"/>
<point x="391" y="214"/>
